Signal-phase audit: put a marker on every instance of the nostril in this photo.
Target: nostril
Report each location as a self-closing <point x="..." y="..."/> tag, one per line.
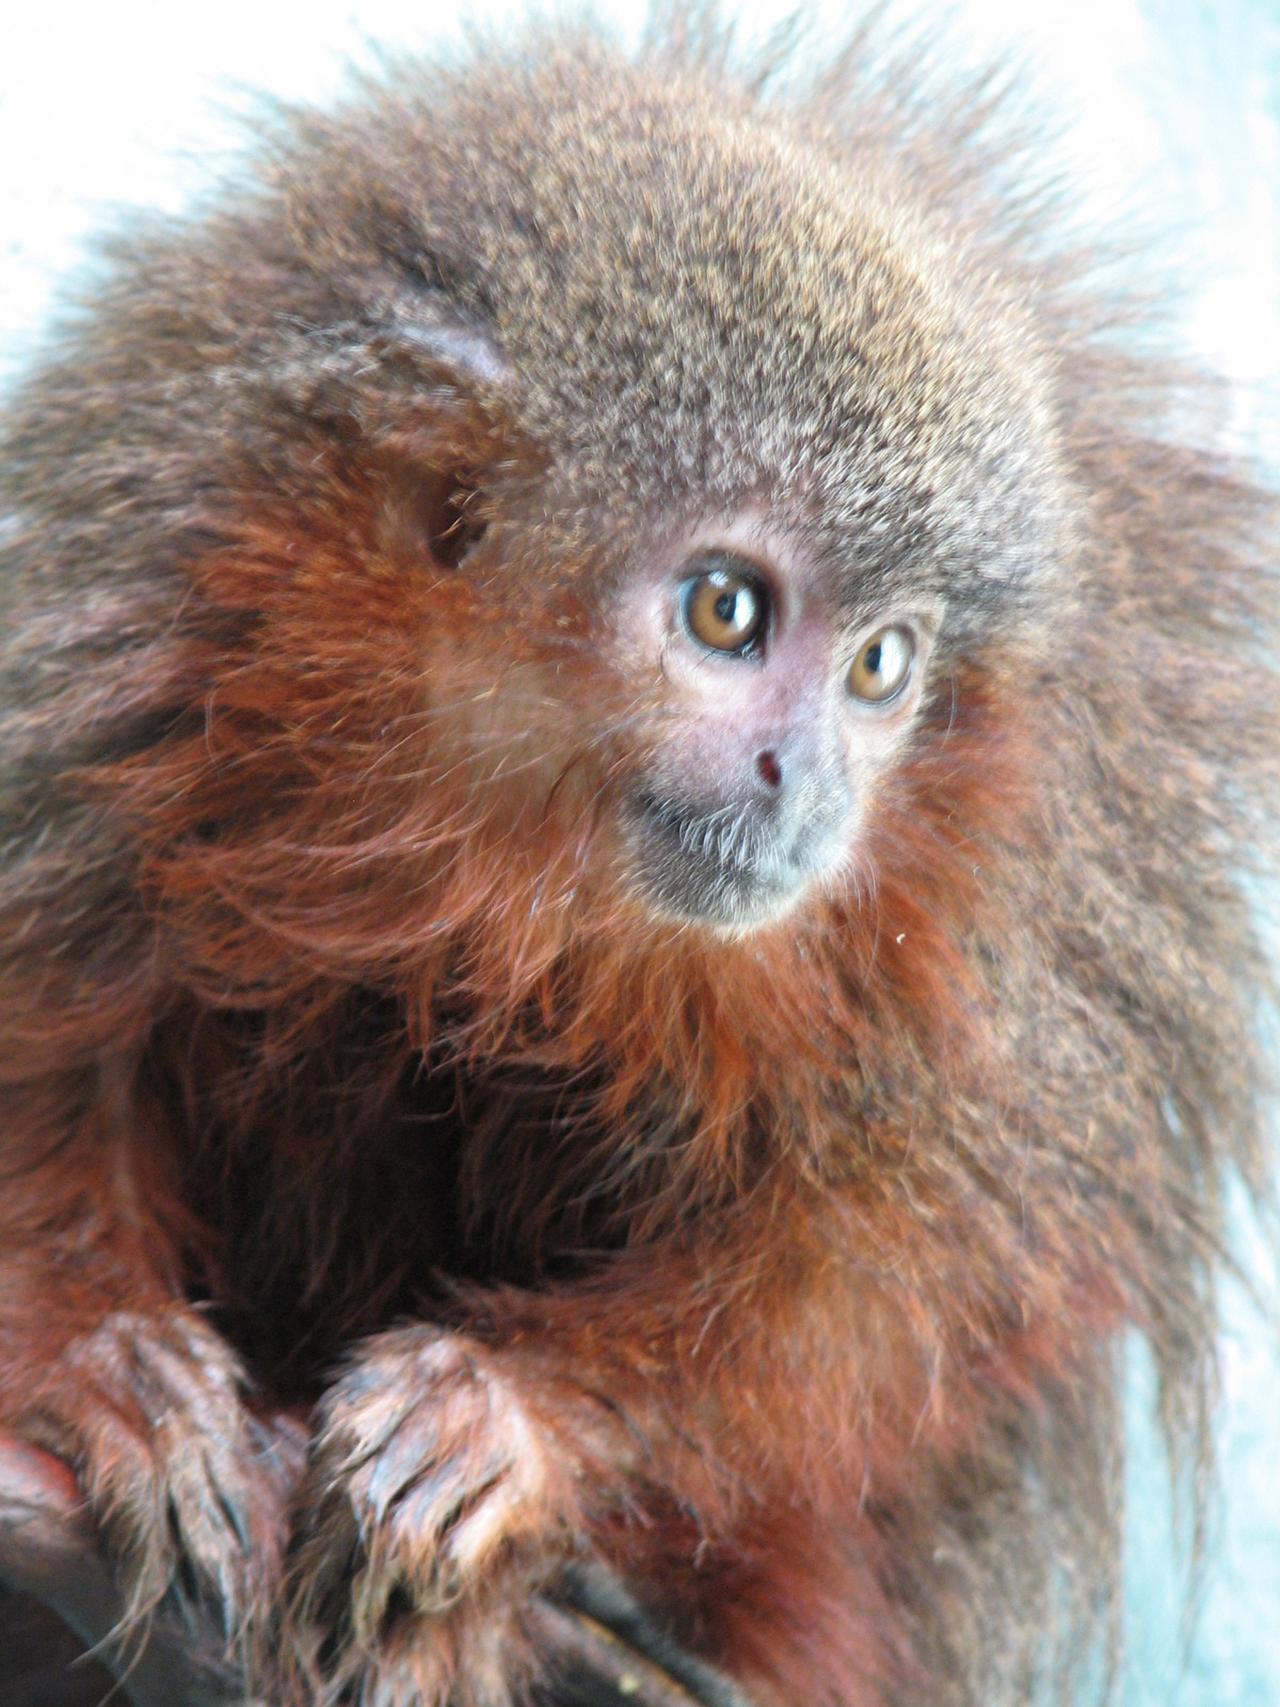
<point x="769" y="770"/>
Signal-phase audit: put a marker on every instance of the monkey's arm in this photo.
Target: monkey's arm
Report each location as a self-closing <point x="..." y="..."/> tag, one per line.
<point x="105" y="1363"/>
<point x="650" y="1418"/>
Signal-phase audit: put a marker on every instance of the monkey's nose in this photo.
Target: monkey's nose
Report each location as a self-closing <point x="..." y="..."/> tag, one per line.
<point x="768" y="769"/>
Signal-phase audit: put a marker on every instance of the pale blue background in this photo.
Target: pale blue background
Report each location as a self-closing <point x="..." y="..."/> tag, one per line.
<point x="1172" y="116"/>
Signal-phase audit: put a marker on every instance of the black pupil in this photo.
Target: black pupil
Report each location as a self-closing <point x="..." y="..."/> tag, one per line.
<point x="873" y="659"/>
<point x="726" y="607"/>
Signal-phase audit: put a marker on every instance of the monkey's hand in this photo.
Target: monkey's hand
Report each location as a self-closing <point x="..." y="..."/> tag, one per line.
<point x="443" y="1493"/>
<point x="188" y="1489"/>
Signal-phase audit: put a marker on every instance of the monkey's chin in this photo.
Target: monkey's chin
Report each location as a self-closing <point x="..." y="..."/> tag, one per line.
<point x="731" y="900"/>
<point x="682" y="870"/>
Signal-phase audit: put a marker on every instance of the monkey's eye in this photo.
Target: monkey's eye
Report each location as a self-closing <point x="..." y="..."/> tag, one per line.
<point x="882" y="666"/>
<point x="725" y="609"/>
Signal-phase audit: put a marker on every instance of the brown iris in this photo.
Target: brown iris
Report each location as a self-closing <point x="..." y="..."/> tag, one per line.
<point x="882" y="665"/>
<point x="725" y="609"/>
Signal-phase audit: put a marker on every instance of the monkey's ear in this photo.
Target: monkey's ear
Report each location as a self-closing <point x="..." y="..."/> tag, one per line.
<point x="432" y="398"/>
<point x="413" y="396"/>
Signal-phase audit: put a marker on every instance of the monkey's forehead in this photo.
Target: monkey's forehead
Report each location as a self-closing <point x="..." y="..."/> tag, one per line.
<point x="694" y="289"/>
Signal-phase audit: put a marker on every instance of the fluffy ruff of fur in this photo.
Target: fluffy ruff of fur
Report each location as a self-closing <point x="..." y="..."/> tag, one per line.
<point x="786" y="1273"/>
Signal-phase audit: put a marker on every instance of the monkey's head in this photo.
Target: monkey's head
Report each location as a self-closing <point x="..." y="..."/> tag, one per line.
<point x="608" y="499"/>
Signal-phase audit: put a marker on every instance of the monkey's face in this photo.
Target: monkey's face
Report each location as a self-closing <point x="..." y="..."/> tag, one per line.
<point x="777" y="716"/>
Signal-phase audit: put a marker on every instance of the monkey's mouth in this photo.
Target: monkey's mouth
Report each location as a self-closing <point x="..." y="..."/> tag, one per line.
<point x="725" y="867"/>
